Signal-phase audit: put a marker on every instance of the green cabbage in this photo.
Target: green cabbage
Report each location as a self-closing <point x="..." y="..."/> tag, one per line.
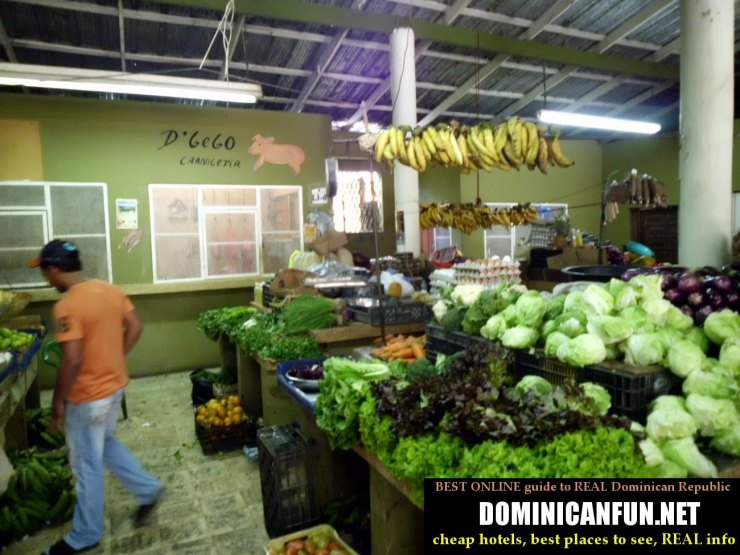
<point x="651" y="452"/>
<point x="600" y="396"/>
<point x="670" y="402"/>
<point x="574" y="301"/>
<point x="554" y="340"/>
<point x="624" y="295"/>
<point x="684" y="357"/>
<point x="713" y="415"/>
<point x="647" y="286"/>
<point x="612" y="352"/>
<point x="664" y="424"/>
<point x="729" y="354"/>
<point x="644" y="349"/>
<point x="555" y="307"/>
<point x="716" y="382"/>
<point x="494" y="328"/>
<point x="638" y="319"/>
<point x="519" y="337"/>
<point x="678" y="320"/>
<point x="728" y="441"/>
<point x="530" y="309"/>
<point x="572" y="323"/>
<point x="668" y="337"/>
<point x="685" y="453"/>
<point x="657" y="310"/>
<point x="668" y="469"/>
<point x="509" y="314"/>
<point x="549" y="327"/>
<point x="722" y="325"/>
<point x="610" y="329"/>
<point x="536" y="383"/>
<point x="583" y="350"/>
<point x="697" y="335"/>
<point x="597" y="300"/>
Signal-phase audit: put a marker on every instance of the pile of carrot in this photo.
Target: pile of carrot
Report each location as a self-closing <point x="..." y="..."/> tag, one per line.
<point x="401" y="347"/>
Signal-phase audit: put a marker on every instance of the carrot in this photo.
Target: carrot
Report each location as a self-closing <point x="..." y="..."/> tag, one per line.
<point x="418" y="350"/>
<point x="406" y="352"/>
<point x="394" y="347"/>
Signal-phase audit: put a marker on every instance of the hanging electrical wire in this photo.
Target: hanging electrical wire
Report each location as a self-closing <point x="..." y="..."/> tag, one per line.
<point x="224" y="28"/>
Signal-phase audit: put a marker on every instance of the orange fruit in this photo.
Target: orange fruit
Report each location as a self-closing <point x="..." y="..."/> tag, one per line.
<point x="217" y="421"/>
<point x="227" y="421"/>
<point x="200" y="419"/>
<point x="202" y="410"/>
<point x="238" y="411"/>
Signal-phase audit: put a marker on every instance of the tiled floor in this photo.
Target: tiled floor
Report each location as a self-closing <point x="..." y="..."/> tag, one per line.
<point x="213" y="504"/>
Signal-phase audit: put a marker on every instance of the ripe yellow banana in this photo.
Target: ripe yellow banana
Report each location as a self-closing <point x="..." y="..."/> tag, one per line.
<point x="419" y="152"/>
<point x="426" y="136"/>
<point x="542" y="155"/>
<point x="534" y="145"/>
<point x="380" y="144"/>
<point x="557" y="154"/>
<point x="411" y="155"/>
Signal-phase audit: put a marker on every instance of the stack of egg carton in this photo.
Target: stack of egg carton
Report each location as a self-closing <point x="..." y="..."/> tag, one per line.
<point x="489" y="272"/>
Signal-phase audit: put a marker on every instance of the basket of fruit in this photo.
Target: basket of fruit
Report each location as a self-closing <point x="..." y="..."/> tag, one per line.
<point x="318" y="539"/>
<point x="222" y="425"/>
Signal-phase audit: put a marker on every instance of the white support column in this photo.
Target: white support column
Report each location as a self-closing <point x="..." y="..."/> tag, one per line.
<point x="403" y="95"/>
<point x="705" y="155"/>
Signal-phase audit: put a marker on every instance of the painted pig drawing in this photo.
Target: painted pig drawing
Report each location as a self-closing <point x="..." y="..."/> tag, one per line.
<point x="272" y="153"/>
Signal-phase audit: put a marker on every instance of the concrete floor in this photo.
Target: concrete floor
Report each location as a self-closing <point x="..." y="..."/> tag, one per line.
<point x="213" y="503"/>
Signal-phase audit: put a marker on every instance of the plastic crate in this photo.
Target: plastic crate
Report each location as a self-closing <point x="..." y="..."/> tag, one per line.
<point x="631" y="387"/>
<point x="220" y="439"/>
<point x="287" y="477"/>
<point x="274" y="546"/>
<point x="393" y="313"/>
<point x="444" y="342"/>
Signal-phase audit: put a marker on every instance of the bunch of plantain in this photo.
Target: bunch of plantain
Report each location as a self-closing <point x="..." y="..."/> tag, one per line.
<point x="506" y="146"/>
<point x="37" y="424"/>
<point x="41" y="491"/>
<point x="470" y="217"/>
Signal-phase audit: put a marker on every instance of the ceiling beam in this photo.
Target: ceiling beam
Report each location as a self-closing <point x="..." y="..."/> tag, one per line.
<point x="633" y="23"/>
<point x="496" y="17"/>
<point x="267" y="69"/>
<point x="550" y="15"/>
<point x="672" y="47"/>
<point x="121" y="35"/>
<point x="596" y="93"/>
<point x="454" y="11"/>
<point x="327" y="55"/>
<point x="637" y="20"/>
<point x="303" y="12"/>
<point x="5" y="41"/>
<point x="291" y="34"/>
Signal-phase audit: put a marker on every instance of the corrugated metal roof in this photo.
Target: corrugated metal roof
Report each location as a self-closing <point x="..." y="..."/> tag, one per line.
<point x="281" y="56"/>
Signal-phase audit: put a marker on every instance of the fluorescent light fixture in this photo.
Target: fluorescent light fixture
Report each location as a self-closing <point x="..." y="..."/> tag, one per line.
<point x="71" y="79"/>
<point x="597" y="122"/>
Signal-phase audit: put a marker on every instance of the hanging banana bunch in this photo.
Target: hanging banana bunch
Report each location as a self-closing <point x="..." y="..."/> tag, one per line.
<point x="470" y="217"/>
<point x="509" y="145"/>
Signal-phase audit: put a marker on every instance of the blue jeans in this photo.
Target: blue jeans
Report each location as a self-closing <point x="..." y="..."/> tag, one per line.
<point x="90" y="429"/>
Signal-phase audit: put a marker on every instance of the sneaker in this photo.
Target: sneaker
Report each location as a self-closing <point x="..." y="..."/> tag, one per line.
<point x="63" y="548"/>
<point x="144" y="512"/>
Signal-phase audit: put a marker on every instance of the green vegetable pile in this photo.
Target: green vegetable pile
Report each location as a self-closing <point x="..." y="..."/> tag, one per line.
<point x="219" y="321"/>
<point x="264" y="336"/>
<point x="309" y="312"/>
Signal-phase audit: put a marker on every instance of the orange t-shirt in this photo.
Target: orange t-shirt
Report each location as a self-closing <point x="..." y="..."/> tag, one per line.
<point x="92" y="312"/>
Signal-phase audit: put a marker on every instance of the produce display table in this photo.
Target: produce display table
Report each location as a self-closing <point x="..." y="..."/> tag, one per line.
<point x="18" y="392"/>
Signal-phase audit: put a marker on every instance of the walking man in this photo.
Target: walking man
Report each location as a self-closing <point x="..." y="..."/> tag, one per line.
<point x="96" y="325"/>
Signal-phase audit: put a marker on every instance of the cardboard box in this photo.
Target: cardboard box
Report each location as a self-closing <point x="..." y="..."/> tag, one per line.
<point x="331" y="241"/>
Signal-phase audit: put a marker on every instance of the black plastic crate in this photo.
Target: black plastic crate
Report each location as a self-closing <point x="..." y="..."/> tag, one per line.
<point x="393" y="313"/>
<point x="288" y="478"/>
<point x="631" y="387"/>
<point x="221" y="439"/>
<point x="441" y="341"/>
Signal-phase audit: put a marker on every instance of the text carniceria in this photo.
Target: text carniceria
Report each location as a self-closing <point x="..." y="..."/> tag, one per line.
<point x="604" y="513"/>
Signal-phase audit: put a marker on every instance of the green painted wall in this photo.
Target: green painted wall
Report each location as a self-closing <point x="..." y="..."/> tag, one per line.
<point x="577" y="185"/>
<point x="657" y="156"/>
<point x="122" y="144"/>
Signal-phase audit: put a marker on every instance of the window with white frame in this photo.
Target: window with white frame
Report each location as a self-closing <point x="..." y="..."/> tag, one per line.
<point x="501" y="241"/>
<point x="442" y="237"/>
<point x="215" y="231"/>
<point x="34" y="212"/>
<point x="358" y="200"/>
